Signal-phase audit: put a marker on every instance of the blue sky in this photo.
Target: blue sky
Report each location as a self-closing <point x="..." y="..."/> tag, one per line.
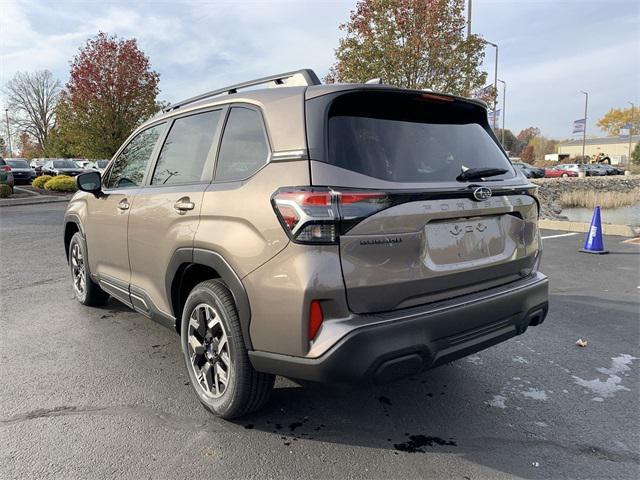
<point x="549" y="50"/>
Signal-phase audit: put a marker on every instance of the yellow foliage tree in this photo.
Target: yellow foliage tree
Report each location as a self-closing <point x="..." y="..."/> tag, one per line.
<point x="615" y="118"/>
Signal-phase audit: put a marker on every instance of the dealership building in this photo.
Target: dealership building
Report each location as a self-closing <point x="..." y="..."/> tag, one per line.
<point x="615" y="147"/>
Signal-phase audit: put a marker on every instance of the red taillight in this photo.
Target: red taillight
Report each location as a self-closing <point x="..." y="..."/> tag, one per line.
<point x="346" y="198"/>
<point x="319" y="215"/>
<point x="5" y="168"/>
<point x="315" y="318"/>
<point x="436" y="98"/>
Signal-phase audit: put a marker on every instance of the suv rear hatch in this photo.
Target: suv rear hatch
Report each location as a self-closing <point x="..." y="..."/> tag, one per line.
<point x="411" y="228"/>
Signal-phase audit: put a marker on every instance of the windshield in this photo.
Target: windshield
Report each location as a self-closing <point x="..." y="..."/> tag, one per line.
<point x="102" y="163"/>
<point x="64" y="164"/>
<point x="18" y="163"/>
<point x="403" y="138"/>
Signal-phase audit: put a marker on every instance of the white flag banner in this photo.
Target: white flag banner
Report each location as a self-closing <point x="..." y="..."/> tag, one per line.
<point x="579" y="125"/>
<point x="491" y="115"/>
<point x="625" y="131"/>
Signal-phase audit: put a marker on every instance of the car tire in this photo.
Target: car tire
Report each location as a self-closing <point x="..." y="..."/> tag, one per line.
<point x="564" y="175"/>
<point x="209" y="318"/>
<point x="86" y="291"/>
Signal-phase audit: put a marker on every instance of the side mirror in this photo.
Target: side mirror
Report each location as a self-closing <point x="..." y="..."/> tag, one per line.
<point x="90" y="182"/>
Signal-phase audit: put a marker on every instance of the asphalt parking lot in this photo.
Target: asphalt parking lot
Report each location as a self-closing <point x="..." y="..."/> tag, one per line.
<point x="103" y="393"/>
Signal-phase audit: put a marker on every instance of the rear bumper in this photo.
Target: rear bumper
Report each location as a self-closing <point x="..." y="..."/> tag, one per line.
<point x="420" y="338"/>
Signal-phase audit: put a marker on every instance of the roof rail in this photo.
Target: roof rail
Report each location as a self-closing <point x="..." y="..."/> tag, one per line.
<point x="308" y="75"/>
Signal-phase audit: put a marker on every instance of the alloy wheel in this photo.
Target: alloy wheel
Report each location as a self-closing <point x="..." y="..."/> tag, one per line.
<point x="78" y="270"/>
<point x="208" y="350"/>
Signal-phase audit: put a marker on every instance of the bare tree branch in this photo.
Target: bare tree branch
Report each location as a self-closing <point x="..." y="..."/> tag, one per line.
<point x="32" y="98"/>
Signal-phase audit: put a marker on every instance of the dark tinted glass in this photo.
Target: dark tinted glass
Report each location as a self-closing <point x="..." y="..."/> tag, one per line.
<point x="128" y="169"/>
<point x="403" y="139"/>
<point x="244" y="146"/>
<point x="186" y="149"/>
<point x="64" y="164"/>
<point x="18" y="163"/>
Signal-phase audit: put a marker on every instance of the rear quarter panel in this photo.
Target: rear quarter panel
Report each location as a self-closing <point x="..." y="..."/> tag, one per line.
<point x="237" y="220"/>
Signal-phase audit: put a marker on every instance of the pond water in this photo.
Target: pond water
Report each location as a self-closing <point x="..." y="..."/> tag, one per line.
<point x="622" y="216"/>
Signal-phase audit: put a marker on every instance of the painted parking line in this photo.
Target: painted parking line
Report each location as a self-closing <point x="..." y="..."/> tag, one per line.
<point x="561" y="235"/>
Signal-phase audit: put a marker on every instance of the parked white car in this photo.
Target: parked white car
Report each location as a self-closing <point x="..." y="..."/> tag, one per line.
<point x="99" y="165"/>
<point x="84" y="164"/>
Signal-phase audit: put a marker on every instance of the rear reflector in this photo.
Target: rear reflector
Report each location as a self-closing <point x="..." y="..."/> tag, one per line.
<point x="315" y="318"/>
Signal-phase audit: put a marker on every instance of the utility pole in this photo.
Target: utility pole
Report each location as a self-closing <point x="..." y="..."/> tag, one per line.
<point x="630" y="135"/>
<point x="504" y="106"/>
<point x="584" y="131"/>
<point x="495" y="82"/>
<point x="468" y="18"/>
<point x="6" y="112"/>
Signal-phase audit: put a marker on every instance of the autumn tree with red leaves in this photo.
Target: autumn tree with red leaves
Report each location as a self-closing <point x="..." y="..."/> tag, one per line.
<point x="528" y="154"/>
<point x="111" y="90"/>
<point x="410" y="43"/>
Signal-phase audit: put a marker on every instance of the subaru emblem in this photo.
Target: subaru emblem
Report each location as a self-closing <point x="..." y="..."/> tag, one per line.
<point x="482" y="193"/>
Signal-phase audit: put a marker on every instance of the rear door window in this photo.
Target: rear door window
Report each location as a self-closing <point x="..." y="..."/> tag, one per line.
<point x="186" y="149"/>
<point x="244" y="148"/>
<point x="405" y="138"/>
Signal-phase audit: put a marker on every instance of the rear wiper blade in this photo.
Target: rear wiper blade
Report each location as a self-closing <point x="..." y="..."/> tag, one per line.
<point x="476" y="173"/>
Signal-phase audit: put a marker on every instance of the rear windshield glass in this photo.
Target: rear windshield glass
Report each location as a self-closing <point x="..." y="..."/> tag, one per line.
<point x="411" y="138"/>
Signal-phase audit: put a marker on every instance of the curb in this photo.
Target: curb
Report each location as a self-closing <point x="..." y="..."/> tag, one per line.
<point x="583" y="227"/>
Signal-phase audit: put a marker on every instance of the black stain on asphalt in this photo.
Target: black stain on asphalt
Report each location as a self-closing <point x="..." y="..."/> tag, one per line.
<point x="384" y="400"/>
<point x="294" y="425"/>
<point x="429" y="395"/>
<point x="417" y="443"/>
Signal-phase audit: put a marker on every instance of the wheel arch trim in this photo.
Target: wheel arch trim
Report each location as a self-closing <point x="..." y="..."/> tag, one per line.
<point x="68" y="219"/>
<point x="208" y="258"/>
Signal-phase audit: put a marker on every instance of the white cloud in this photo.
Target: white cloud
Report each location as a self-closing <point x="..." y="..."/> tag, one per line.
<point x="548" y="50"/>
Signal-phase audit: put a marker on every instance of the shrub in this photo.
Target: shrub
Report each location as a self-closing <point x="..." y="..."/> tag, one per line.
<point x="5" y="190"/>
<point x="61" y="183"/>
<point x="40" y="181"/>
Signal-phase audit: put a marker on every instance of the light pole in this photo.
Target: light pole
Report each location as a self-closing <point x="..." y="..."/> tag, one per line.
<point x="630" y="135"/>
<point x="495" y="82"/>
<point x="504" y="106"/>
<point x="468" y="18"/>
<point x="6" y="112"/>
<point x="584" y="130"/>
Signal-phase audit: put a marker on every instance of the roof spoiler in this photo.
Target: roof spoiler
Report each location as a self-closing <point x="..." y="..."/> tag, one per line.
<point x="307" y="76"/>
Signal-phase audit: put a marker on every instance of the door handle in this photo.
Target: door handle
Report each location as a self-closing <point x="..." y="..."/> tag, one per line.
<point x="183" y="205"/>
<point x="123" y="205"/>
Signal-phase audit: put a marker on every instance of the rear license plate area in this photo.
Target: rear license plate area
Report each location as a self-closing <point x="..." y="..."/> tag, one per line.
<point x="465" y="242"/>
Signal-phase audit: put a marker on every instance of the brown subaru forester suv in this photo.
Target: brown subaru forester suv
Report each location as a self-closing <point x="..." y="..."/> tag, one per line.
<point x="333" y="233"/>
